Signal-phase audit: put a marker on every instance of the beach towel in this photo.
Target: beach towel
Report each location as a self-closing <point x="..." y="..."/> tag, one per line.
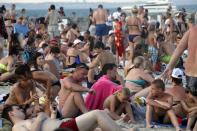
<point x="104" y="87"/>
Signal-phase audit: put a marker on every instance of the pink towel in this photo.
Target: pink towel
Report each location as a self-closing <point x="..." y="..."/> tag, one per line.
<point x="104" y="87"/>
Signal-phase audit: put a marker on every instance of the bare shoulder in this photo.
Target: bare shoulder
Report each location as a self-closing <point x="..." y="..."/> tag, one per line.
<point x="19" y="127"/>
<point x="168" y="96"/>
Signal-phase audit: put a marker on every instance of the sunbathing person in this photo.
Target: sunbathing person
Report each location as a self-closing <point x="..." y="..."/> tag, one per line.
<point x="85" y="122"/>
<point x="137" y="78"/>
<point x="159" y="106"/>
<point x="177" y="91"/>
<point x="8" y="63"/>
<point x="103" y="56"/>
<point x="118" y="103"/>
<point x="71" y="102"/>
<point x="190" y="108"/>
<point x="49" y="80"/>
<point x="24" y="91"/>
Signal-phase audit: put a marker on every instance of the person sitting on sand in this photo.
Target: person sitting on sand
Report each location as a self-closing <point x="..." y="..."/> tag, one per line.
<point x="137" y="78"/>
<point x="159" y="105"/>
<point x="71" y="102"/>
<point x="42" y="122"/>
<point x="190" y="108"/>
<point x="104" y="87"/>
<point x="23" y="92"/>
<point x="74" y="55"/>
<point x="103" y="56"/>
<point x="8" y="63"/>
<point x="49" y="80"/>
<point x="177" y="91"/>
<point x="118" y="103"/>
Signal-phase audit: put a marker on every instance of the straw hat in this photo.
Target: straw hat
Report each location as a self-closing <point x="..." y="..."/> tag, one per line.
<point x="134" y="10"/>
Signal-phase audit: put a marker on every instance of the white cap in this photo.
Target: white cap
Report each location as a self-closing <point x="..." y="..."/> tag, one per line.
<point x="177" y="73"/>
<point x="77" y="41"/>
<point x="110" y="32"/>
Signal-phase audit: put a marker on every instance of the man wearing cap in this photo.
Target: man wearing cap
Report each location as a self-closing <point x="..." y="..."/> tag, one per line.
<point x="52" y="18"/>
<point x="187" y="42"/>
<point x="177" y="91"/>
<point x="100" y="18"/>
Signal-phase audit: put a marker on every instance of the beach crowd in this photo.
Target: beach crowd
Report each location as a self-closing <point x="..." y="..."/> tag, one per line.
<point x="124" y="67"/>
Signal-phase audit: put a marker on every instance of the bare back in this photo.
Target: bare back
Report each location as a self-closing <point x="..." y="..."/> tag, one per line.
<point x="100" y="16"/>
<point x="137" y="74"/>
<point x="106" y="57"/>
<point x="191" y="62"/>
<point x="133" y="24"/>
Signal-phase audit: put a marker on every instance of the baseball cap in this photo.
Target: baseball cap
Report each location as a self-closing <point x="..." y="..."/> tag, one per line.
<point x="177" y="73"/>
<point x="77" y="41"/>
<point x="111" y="32"/>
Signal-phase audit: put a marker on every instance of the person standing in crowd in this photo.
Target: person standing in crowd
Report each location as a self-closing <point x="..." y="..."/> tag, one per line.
<point x="187" y="42"/>
<point x="100" y="18"/>
<point x="13" y="13"/>
<point x="61" y="12"/>
<point x="21" y="27"/>
<point x="116" y="15"/>
<point x="52" y="18"/>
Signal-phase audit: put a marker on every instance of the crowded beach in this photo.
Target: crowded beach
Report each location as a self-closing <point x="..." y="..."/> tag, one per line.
<point x="124" y="70"/>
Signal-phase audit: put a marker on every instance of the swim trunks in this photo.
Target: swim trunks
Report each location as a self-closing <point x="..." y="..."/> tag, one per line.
<point x="71" y="124"/>
<point x="191" y="82"/>
<point x="132" y="37"/>
<point x="101" y="30"/>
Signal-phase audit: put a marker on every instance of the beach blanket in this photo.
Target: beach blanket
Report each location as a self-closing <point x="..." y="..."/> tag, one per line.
<point x="104" y="87"/>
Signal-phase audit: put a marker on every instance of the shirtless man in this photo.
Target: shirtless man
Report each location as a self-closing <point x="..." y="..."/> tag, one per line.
<point x="100" y="18"/>
<point x="187" y="42"/>
<point x="103" y="56"/>
<point x="159" y="105"/>
<point x="170" y="29"/>
<point x="71" y="102"/>
<point x="177" y="91"/>
<point x="118" y="103"/>
<point x="23" y="92"/>
<point x="85" y="122"/>
<point x="190" y="109"/>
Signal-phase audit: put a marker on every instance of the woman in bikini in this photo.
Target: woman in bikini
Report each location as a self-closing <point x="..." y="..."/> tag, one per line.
<point x="8" y="63"/>
<point x="46" y="78"/>
<point x="137" y="78"/>
<point x="134" y="28"/>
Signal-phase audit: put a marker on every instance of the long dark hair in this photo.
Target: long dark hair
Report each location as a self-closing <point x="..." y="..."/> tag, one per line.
<point x="14" y="44"/>
<point x="33" y="61"/>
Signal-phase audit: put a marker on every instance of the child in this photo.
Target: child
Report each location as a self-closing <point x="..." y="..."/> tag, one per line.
<point x="159" y="105"/>
<point x="190" y="106"/>
<point x="119" y="103"/>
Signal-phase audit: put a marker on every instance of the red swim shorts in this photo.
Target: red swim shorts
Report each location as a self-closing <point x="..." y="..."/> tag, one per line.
<point x="71" y="124"/>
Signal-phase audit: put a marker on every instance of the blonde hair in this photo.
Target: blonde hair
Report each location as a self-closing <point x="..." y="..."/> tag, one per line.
<point x="138" y="61"/>
<point x="124" y="92"/>
<point x="134" y="10"/>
